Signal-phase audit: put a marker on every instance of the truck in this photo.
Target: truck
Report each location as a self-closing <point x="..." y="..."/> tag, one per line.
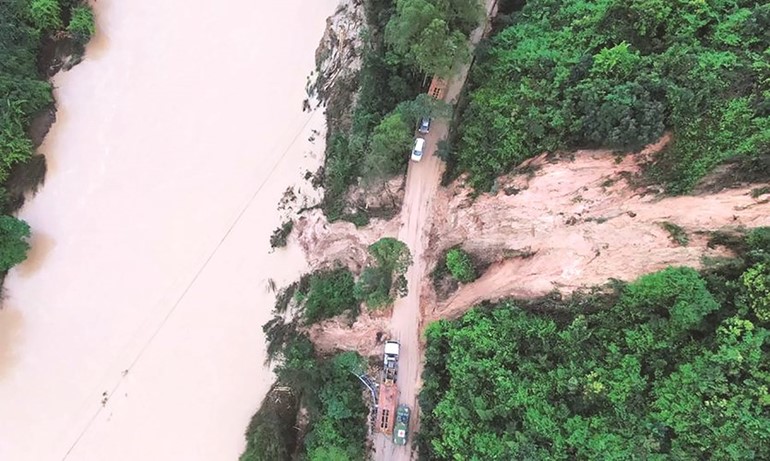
<point x="390" y="362"/>
<point x="388" y="397"/>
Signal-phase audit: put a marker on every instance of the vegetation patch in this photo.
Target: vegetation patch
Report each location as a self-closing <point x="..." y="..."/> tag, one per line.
<point x="26" y="25"/>
<point x="380" y="283"/>
<point x="760" y="191"/>
<point x="676" y="233"/>
<point x="281" y="234"/>
<point x="460" y="265"/>
<point x="670" y="366"/>
<point x="322" y="389"/>
<point x="617" y="74"/>
<point x="329" y="293"/>
<point x="272" y="433"/>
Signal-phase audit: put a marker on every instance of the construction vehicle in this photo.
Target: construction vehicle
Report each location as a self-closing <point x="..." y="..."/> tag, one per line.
<point x="388" y="397"/>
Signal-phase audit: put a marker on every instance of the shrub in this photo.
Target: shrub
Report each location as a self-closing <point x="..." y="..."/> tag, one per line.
<point x="391" y="254"/>
<point x="460" y="265"/>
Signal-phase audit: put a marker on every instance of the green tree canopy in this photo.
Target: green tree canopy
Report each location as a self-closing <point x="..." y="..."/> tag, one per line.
<point x="660" y="370"/>
<point x="13" y="241"/>
<point x="330" y="293"/>
<point x="756" y="286"/>
<point x="617" y="74"/>
<point x="433" y="34"/>
<point x="388" y="149"/>
<point x="376" y="285"/>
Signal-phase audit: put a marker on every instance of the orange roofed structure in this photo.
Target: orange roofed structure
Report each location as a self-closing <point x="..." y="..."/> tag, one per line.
<point x="437" y="87"/>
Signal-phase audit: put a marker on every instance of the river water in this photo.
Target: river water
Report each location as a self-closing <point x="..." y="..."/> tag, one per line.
<point x="147" y="280"/>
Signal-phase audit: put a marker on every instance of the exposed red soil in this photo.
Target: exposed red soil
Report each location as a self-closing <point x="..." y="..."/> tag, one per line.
<point x="578" y="217"/>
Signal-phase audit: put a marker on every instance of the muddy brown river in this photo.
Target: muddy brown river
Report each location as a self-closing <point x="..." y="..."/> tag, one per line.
<point x="133" y="331"/>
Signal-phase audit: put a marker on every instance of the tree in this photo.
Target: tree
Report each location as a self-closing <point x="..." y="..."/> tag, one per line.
<point x="373" y="287"/>
<point x="424" y="105"/>
<point x="13" y="241"/>
<point x="617" y="74"/>
<point x="330" y="293"/>
<point x="433" y="34"/>
<point x="437" y="49"/>
<point x="388" y="148"/>
<point x="376" y="285"/>
<point x="391" y="254"/>
<point x="460" y="265"/>
<point x="271" y="435"/>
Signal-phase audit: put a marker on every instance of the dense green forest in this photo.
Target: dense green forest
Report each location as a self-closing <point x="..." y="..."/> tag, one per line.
<point x="405" y="43"/>
<point x="566" y="74"/>
<point x="674" y="366"/>
<point x="25" y="27"/>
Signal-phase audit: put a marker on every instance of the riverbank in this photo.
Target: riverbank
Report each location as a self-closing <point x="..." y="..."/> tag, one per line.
<point x="150" y="263"/>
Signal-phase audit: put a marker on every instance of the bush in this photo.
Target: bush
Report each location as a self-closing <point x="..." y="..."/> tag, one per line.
<point x="82" y="25"/>
<point x="676" y="233"/>
<point x="460" y="265"/>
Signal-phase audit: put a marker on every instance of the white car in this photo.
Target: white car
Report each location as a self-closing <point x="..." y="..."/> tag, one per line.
<point x="419" y="144"/>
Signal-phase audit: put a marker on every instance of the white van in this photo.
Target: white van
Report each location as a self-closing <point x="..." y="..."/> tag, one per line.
<point x="419" y="143"/>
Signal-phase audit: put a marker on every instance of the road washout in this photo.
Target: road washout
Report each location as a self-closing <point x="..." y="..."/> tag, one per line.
<point x="578" y="220"/>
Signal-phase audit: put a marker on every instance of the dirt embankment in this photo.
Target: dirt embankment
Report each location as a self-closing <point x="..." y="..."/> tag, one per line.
<point x="560" y="224"/>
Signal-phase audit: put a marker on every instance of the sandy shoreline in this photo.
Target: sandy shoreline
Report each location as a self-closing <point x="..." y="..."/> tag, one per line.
<point x="163" y="137"/>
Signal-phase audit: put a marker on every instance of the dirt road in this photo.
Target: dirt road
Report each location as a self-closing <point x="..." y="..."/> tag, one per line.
<point x="422" y="183"/>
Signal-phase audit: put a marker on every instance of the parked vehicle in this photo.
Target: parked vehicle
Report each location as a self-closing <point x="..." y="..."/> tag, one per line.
<point x="424" y="127"/>
<point x="419" y="143"/>
<point x="388" y="397"/>
<point x="401" y="429"/>
<point x="390" y="362"/>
